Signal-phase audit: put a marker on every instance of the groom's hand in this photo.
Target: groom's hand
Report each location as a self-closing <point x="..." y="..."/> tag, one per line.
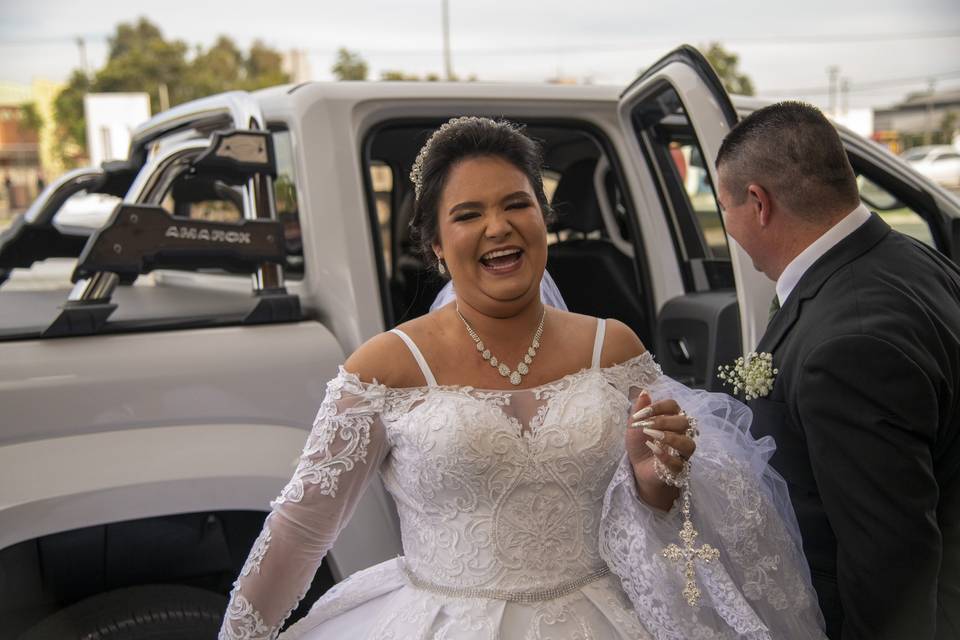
<point x="653" y="430"/>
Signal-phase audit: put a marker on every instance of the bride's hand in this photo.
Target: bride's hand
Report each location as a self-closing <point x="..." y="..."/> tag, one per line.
<point x="652" y="429"/>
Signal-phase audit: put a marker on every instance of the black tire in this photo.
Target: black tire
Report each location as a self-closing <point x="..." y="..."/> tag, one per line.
<point x="154" y="612"/>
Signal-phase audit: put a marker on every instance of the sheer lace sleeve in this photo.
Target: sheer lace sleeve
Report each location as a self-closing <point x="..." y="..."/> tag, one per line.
<point x="343" y="451"/>
<point x="760" y="587"/>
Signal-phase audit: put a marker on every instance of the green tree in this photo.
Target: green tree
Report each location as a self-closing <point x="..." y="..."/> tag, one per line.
<point x="30" y="117"/>
<point x="220" y="66"/>
<point x="223" y="67"/>
<point x="725" y="64"/>
<point x="141" y="59"/>
<point x="349" y="65"/>
<point x="264" y="68"/>
<point x="70" y="124"/>
<point x="394" y="75"/>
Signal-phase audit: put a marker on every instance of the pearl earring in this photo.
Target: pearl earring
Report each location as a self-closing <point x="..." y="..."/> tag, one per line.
<point x="442" y="269"/>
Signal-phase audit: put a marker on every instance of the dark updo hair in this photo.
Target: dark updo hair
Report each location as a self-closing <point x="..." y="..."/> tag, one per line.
<point x="461" y="139"/>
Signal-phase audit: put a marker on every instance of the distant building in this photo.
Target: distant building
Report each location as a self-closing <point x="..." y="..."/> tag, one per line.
<point x="860" y="121"/>
<point x="111" y="119"/>
<point x="28" y="158"/>
<point x="19" y="149"/>
<point x="919" y="118"/>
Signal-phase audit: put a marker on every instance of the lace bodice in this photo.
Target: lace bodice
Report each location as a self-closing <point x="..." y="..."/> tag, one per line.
<point x="503" y="489"/>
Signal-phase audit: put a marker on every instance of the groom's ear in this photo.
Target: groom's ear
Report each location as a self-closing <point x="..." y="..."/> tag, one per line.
<point x="760" y="203"/>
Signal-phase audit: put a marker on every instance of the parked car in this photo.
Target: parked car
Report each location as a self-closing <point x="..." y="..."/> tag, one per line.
<point x="153" y="405"/>
<point x="940" y="163"/>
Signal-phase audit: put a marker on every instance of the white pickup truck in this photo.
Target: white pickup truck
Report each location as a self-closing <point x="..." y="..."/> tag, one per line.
<point x="154" y="402"/>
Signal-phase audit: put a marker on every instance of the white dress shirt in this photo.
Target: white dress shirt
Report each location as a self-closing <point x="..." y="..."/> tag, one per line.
<point x="799" y="265"/>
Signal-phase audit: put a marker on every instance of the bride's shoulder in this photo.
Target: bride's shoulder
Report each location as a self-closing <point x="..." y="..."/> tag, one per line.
<point x="620" y="344"/>
<point x="386" y="359"/>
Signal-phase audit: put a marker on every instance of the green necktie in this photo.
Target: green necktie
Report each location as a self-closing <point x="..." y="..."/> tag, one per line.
<point x="774" y="307"/>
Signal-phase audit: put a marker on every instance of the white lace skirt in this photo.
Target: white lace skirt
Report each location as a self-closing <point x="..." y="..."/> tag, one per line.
<point x="380" y="604"/>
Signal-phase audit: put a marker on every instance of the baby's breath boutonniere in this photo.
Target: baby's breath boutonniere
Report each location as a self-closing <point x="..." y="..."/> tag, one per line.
<point x="754" y="373"/>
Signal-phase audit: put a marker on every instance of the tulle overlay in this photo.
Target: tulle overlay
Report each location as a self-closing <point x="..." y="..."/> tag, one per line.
<point x="521" y="491"/>
<point x="760" y="588"/>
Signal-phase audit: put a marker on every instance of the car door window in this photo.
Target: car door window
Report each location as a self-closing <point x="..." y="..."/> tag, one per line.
<point x="381" y="184"/>
<point x="699" y="191"/>
<point x="686" y="190"/>
<point x="894" y="212"/>
<point x="286" y="201"/>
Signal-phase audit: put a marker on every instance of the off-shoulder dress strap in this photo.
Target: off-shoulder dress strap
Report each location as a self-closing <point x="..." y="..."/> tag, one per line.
<point x="418" y="356"/>
<point x="598" y="343"/>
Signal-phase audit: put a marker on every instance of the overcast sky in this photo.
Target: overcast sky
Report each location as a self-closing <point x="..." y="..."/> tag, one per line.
<point x="885" y="48"/>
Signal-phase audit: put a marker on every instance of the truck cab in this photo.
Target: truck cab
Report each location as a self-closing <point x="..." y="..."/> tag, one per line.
<point x="154" y="401"/>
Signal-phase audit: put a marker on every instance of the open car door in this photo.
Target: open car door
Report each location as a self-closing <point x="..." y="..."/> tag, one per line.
<point x="675" y="116"/>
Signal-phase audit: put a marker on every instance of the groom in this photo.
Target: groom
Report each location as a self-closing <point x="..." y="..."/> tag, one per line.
<point x="865" y="409"/>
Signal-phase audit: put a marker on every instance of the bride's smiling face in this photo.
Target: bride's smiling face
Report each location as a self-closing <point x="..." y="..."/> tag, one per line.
<point x="492" y="234"/>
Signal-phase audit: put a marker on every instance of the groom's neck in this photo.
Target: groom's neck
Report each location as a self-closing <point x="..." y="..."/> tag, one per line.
<point x="795" y="235"/>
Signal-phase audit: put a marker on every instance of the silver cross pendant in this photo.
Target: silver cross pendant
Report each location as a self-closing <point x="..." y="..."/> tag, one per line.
<point x="689" y="552"/>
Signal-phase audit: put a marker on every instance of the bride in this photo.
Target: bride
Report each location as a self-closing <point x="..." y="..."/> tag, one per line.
<point x="547" y="483"/>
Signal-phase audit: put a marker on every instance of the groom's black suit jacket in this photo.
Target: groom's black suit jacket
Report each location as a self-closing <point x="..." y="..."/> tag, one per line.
<point x="865" y="412"/>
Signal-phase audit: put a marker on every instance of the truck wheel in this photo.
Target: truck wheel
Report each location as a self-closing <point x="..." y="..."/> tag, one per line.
<point x="155" y="612"/>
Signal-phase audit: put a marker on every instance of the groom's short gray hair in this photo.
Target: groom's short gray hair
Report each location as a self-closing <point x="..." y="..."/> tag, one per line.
<point x="793" y="151"/>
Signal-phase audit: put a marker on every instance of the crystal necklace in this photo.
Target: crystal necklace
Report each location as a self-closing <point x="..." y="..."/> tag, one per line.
<point x="523" y="368"/>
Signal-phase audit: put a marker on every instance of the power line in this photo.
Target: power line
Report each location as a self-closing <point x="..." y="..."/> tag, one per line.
<point x="646" y="44"/>
<point x="845" y="38"/>
<point x="69" y="39"/>
<point x="659" y="42"/>
<point x="652" y="44"/>
<point x="865" y="86"/>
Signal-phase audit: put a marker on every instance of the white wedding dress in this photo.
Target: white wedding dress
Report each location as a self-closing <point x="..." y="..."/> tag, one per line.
<point x="520" y="519"/>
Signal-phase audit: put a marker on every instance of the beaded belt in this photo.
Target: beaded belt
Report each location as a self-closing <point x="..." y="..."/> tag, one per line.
<point x="523" y="597"/>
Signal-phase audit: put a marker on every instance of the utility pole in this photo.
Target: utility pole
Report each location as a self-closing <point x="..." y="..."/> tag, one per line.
<point x="833" y="72"/>
<point x="844" y="95"/>
<point x="82" y="45"/>
<point x="164" y="95"/>
<point x="448" y="64"/>
<point x="928" y="134"/>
